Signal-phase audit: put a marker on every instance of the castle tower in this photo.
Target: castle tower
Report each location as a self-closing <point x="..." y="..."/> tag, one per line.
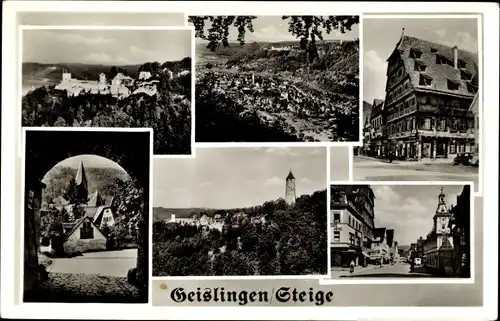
<point x="81" y="181"/>
<point x="66" y="76"/>
<point x="290" y="195"/>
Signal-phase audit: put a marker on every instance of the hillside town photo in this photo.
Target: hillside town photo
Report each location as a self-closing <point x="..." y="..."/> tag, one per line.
<point x="241" y="212"/>
<point x="421" y="100"/>
<point x="277" y="78"/>
<point x="86" y="220"/>
<point x="110" y="78"/>
<point x="394" y="231"/>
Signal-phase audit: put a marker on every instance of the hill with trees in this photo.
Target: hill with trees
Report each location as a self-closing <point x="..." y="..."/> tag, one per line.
<point x="290" y="240"/>
<point x="168" y="112"/>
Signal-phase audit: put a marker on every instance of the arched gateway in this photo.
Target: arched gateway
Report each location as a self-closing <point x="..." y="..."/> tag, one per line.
<point x="45" y="149"/>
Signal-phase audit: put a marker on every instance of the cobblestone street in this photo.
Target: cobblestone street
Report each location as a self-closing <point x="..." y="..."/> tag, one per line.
<point x="81" y="288"/>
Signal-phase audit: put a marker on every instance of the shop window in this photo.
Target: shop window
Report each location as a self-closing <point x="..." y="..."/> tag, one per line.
<point x="453" y="148"/>
<point x="461" y="147"/>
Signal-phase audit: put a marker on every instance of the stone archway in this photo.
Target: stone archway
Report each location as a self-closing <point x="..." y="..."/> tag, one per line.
<point x="46" y="148"/>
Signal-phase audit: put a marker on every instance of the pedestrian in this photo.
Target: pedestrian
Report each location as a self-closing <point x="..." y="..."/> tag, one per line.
<point x="390" y="157"/>
<point x="351" y="266"/>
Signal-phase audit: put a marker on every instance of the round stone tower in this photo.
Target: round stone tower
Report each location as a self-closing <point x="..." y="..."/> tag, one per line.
<point x="290" y="195"/>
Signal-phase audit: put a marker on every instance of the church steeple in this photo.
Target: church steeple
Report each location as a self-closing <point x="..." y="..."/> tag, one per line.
<point x="81" y="178"/>
<point x="442" y="208"/>
<point x="290" y="175"/>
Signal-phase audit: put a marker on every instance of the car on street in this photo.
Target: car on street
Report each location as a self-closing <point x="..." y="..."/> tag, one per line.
<point x="463" y="159"/>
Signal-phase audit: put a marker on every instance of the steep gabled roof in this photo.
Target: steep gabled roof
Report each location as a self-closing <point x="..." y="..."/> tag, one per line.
<point x="377" y="108"/>
<point x="95" y="199"/>
<point x="81" y="177"/>
<point x="99" y="214"/>
<point x="440" y="73"/>
<point x="77" y="225"/>
<point x="367" y="110"/>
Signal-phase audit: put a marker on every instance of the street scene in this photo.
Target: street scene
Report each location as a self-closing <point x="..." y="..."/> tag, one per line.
<point x="85" y="223"/>
<point x="241" y="211"/>
<point x="398" y="231"/>
<point x="421" y="106"/>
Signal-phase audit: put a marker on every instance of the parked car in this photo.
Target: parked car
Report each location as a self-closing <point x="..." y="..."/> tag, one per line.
<point x="463" y="159"/>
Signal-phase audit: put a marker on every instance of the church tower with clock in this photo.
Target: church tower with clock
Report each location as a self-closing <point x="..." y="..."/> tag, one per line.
<point x="442" y="222"/>
<point x="290" y="195"/>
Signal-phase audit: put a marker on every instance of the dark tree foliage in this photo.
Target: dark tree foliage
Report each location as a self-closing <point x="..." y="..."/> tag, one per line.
<point x="309" y="29"/>
<point x="291" y="241"/>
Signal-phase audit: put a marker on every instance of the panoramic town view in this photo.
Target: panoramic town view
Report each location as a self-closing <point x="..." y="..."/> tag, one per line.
<point x="85" y="222"/>
<point x="277" y="79"/>
<point x="241" y="211"/>
<point x="110" y="78"/>
<point x="394" y="231"/>
<point x="420" y="108"/>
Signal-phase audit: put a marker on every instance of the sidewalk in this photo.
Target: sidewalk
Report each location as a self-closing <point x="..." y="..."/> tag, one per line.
<point x="424" y="161"/>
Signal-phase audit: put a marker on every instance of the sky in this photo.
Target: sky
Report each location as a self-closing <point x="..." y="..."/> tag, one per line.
<point x="409" y="209"/>
<point x="106" y="47"/>
<point x="381" y="35"/>
<point x="223" y="178"/>
<point x="274" y="29"/>
<point x="339" y="163"/>
<point x="101" y="18"/>
<point x="88" y="162"/>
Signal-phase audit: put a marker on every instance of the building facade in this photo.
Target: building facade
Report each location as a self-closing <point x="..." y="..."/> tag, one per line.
<point x="378" y="139"/>
<point x="380" y="250"/>
<point x="428" y="93"/>
<point x="352" y="224"/>
<point x="460" y="230"/>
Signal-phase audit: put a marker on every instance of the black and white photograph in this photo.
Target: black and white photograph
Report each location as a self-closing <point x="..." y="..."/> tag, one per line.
<point x="241" y="212"/>
<point x="111" y="78"/>
<point x="421" y="100"/>
<point x="277" y="78"/>
<point x="86" y="216"/>
<point x="400" y="231"/>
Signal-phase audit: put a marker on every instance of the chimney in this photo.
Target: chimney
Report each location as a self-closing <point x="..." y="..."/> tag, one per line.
<point x="455" y="57"/>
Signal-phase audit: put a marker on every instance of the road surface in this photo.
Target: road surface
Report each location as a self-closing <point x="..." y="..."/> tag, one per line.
<point x="386" y="271"/>
<point x="107" y="263"/>
<point x="369" y="169"/>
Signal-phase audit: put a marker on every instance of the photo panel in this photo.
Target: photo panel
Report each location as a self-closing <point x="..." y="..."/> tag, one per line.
<point x="241" y="213"/>
<point x="86" y="216"/>
<point x="270" y="79"/>
<point x="421" y="99"/>
<point x="127" y="77"/>
<point x="415" y="232"/>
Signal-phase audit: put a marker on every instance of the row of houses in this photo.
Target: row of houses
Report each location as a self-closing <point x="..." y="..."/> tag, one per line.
<point x="430" y="109"/>
<point x="446" y="249"/>
<point x="354" y="236"/>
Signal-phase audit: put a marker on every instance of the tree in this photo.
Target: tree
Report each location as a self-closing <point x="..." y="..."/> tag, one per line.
<point x="308" y="28"/>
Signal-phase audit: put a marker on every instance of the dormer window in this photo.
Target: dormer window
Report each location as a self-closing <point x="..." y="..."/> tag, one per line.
<point x="452" y="85"/>
<point x="419" y="66"/>
<point x="461" y="64"/>
<point x="464" y="75"/>
<point x="415" y="53"/>
<point x="425" y="80"/>
<point x="471" y="88"/>
<point x="434" y="50"/>
<point x="441" y="60"/>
